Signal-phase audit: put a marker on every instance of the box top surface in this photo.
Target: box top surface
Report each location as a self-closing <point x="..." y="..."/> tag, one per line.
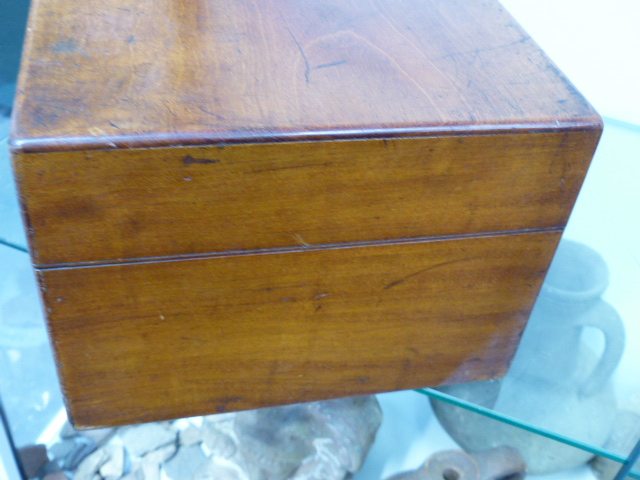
<point x="123" y="73"/>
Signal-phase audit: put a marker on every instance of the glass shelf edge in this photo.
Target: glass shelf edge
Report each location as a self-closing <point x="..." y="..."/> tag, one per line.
<point x="13" y="245"/>
<point x="528" y="427"/>
<point x="620" y="123"/>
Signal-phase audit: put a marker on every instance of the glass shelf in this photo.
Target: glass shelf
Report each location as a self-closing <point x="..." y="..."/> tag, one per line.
<point x="506" y="419"/>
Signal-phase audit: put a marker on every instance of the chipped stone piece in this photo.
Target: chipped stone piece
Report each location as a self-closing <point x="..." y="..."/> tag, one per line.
<point x="150" y="470"/>
<point x="185" y="463"/>
<point x="141" y="439"/>
<point x="50" y="467"/>
<point x="135" y="473"/>
<point x="56" y="476"/>
<point x="99" y="435"/>
<point x="70" y="452"/>
<point x="218" y="442"/>
<point x="33" y="458"/>
<point x="162" y="454"/>
<point x="325" y="463"/>
<point x="190" y="436"/>
<point x="214" y="469"/>
<point x="327" y="438"/>
<point x="61" y="449"/>
<point x="89" y="467"/>
<point x="68" y="431"/>
<point x="114" y="467"/>
<point x="219" y="418"/>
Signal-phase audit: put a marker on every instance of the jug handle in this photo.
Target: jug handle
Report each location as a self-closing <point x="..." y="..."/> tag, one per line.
<point x="606" y="319"/>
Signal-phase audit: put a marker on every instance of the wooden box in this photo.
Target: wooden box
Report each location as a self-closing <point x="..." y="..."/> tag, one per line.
<point x="234" y="205"/>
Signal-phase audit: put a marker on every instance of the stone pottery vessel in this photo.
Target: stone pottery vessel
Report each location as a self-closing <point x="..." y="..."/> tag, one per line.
<point x="555" y="381"/>
<point x="502" y="463"/>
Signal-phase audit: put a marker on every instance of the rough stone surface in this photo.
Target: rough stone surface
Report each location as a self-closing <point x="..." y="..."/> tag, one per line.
<point x="32" y="459"/>
<point x="141" y="439"/>
<point x="190" y="436"/>
<point x="88" y="468"/>
<point x="72" y="451"/>
<point x="217" y="441"/>
<point x="98" y="435"/>
<point x="216" y="469"/>
<point x="56" y="476"/>
<point x="68" y="431"/>
<point x="185" y="463"/>
<point x="133" y="474"/>
<point x="304" y="439"/>
<point x="327" y="462"/>
<point x="150" y="470"/>
<point x="113" y="468"/>
<point x="48" y="468"/>
<point x="162" y="454"/>
<point x="314" y="441"/>
<point x="63" y="448"/>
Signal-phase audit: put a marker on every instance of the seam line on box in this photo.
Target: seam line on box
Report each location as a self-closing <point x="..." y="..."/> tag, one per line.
<point x="292" y="249"/>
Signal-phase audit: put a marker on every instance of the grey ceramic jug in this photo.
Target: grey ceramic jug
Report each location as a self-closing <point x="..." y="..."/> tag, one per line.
<point x="555" y="381"/>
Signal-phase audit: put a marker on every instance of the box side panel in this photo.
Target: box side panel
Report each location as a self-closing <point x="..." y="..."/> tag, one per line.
<point x="104" y="206"/>
<point x="149" y="341"/>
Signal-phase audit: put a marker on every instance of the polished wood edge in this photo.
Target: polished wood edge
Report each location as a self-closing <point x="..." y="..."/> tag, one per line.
<point x="20" y="145"/>
<point x="301" y="248"/>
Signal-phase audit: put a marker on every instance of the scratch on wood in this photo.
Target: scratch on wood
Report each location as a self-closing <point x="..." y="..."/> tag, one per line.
<point x="212" y="114"/>
<point x="558" y="156"/>
<point x="332" y="64"/>
<point x="478" y="51"/>
<point x="304" y="56"/>
<point x="537" y="273"/>
<point x="432" y="267"/>
<point x="190" y="160"/>
<point x="292" y="167"/>
<point x="193" y="339"/>
<point x="224" y="403"/>
<point x="169" y="108"/>
<point x="300" y="240"/>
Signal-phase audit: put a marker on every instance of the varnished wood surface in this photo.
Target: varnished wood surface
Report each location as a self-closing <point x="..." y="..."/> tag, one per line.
<point x="125" y="73"/>
<point x="241" y="204"/>
<point x="104" y="206"/>
<point x="143" y="342"/>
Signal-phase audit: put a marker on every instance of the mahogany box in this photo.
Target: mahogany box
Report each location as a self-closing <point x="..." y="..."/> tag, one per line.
<point x="233" y="205"/>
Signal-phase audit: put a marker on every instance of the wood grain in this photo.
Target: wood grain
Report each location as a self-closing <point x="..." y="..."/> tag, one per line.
<point x="241" y="204"/>
<point x="104" y="206"/>
<point x="125" y="73"/>
<point x="143" y="342"/>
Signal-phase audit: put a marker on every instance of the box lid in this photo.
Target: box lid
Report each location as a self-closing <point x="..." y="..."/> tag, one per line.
<point x="119" y="73"/>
